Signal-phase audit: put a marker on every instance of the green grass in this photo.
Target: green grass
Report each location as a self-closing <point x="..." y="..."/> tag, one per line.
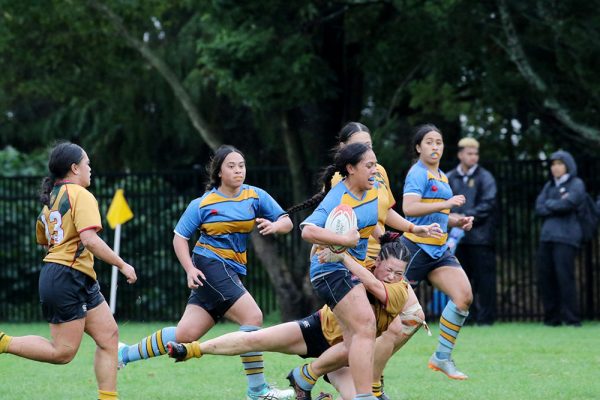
<point x="506" y="361"/>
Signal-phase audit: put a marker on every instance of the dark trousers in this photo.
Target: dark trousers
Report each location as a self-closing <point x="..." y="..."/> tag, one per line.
<point x="556" y="282"/>
<point x="479" y="262"/>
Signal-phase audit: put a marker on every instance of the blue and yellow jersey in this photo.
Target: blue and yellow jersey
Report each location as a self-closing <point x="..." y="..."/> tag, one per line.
<point x="385" y="200"/>
<point x="225" y="223"/>
<point x="431" y="189"/>
<point x="366" y="215"/>
<point x="72" y="210"/>
<point x="397" y="295"/>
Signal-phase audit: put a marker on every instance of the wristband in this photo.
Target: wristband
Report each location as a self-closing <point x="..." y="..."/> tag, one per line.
<point x="411" y="228"/>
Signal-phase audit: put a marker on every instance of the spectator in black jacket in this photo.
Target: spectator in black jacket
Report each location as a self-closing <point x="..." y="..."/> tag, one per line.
<point x="476" y="250"/>
<point x="559" y="241"/>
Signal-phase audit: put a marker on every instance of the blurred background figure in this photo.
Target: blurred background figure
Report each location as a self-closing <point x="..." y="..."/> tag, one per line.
<point x="560" y="239"/>
<point x="476" y="250"/>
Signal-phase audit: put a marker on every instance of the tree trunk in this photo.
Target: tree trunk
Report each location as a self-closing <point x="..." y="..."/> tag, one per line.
<point x="291" y="296"/>
<point x="206" y="133"/>
<point x="293" y="303"/>
<point x="293" y="151"/>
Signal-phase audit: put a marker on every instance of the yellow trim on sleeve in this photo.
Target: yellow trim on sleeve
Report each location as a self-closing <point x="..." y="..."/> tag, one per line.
<point x="433" y="241"/>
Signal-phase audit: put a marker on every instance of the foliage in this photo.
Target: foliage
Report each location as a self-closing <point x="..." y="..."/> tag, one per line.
<point x="15" y="163"/>
<point x="71" y="75"/>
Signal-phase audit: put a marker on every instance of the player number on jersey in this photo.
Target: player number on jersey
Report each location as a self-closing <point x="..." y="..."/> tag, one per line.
<point x="57" y="234"/>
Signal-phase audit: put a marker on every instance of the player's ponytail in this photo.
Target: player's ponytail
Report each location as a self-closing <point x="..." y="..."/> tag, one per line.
<point x="62" y="157"/>
<point x="392" y="246"/>
<point x="325" y="182"/>
<point x="350" y="154"/>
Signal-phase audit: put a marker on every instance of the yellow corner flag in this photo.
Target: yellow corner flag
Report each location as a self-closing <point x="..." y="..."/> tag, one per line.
<point x="119" y="211"/>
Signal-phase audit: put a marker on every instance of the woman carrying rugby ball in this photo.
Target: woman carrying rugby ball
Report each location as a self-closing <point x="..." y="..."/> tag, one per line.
<point x="332" y="281"/>
<point x="398" y="333"/>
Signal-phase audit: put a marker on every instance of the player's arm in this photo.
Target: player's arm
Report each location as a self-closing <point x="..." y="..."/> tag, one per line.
<point x="182" y="251"/>
<point x="460" y="221"/>
<point x="413" y="207"/>
<point x="283" y="225"/>
<point x="40" y="233"/>
<point x="400" y="223"/>
<point x="186" y="226"/>
<point x="317" y="235"/>
<point x="372" y="284"/>
<point x="93" y="242"/>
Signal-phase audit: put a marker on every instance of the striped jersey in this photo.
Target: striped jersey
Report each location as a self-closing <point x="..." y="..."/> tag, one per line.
<point x="397" y="295"/>
<point x="72" y="210"/>
<point x="431" y="189"/>
<point x="226" y="222"/>
<point x="365" y="209"/>
<point x="385" y="200"/>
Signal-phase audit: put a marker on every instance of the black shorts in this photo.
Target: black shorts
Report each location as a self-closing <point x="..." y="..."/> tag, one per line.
<point x="421" y="263"/>
<point x="67" y="294"/>
<point x="332" y="287"/>
<point x="221" y="289"/>
<point x="316" y="344"/>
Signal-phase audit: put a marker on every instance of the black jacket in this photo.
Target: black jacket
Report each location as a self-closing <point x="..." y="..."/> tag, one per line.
<point x="480" y="191"/>
<point x="558" y="205"/>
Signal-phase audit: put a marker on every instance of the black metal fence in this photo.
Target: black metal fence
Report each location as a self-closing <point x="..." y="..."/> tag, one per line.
<point x="158" y="199"/>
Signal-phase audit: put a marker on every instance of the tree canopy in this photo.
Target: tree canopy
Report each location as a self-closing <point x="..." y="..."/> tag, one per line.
<point x="518" y="75"/>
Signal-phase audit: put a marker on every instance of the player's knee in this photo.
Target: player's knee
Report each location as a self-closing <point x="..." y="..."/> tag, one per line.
<point x="463" y="302"/>
<point x="364" y="325"/>
<point x="64" y="357"/>
<point x="394" y="330"/>
<point x="254" y="318"/>
<point x="108" y="338"/>
<point x="185" y="336"/>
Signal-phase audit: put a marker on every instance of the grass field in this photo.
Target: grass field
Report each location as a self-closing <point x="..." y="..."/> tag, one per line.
<point x="506" y="361"/>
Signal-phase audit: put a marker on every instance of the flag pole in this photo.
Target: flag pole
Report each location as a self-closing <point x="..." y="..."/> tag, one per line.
<point x="118" y="213"/>
<point x="115" y="271"/>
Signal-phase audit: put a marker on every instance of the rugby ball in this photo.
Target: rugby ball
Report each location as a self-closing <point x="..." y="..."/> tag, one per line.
<point x="340" y="220"/>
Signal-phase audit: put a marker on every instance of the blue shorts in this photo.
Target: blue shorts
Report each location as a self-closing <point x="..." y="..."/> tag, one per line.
<point x="333" y="286"/>
<point x="421" y="263"/>
<point x="67" y="294"/>
<point x="221" y="289"/>
<point x="316" y="344"/>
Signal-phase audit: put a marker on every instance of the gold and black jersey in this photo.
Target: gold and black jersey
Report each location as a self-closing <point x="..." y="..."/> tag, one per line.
<point x="385" y="312"/>
<point x="72" y="210"/>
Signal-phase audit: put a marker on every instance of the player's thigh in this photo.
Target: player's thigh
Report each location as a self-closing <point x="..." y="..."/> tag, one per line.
<point x="102" y="327"/>
<point x="194" y="323"/>
<point x="245" y="311"/>
<point x="66" y="338"/>
<point x="355" y="312"/>
<point x="454" y="282"/>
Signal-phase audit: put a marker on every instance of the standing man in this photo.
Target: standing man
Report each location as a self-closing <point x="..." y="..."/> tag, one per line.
<point x="476" y="249"/>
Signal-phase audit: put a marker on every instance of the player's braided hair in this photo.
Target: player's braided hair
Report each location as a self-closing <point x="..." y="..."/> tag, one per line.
<point x="392" y="246"/>
<point x="351" y="154"/>
<point x="214" y="166"/>
<point x="62" y="156"/>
